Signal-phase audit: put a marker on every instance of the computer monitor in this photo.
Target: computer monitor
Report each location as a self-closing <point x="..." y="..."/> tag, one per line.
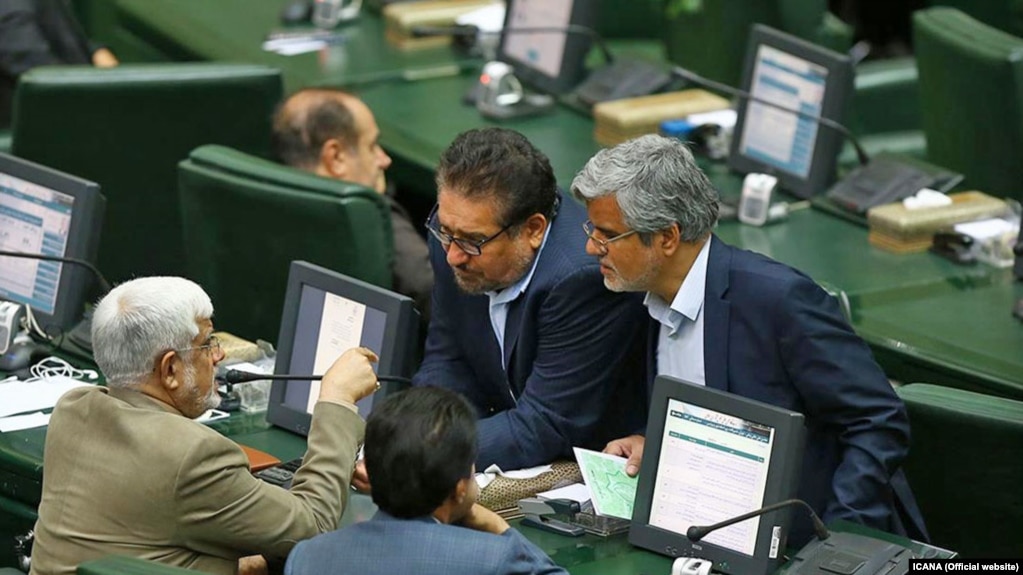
<point x="325" y="314"/>
<point x="790" y="72"/>
<point x="43" y="211"/>
<point x="710" y="456"/>
<point x="549" y="62"/>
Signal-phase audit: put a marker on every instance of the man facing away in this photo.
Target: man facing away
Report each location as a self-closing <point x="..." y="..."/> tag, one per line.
<point x="743" y="323"/>
<point x="420" y="449"/>
<point x="521" y="325"/>
<point x="128" y="472"/>
<point x="334" y="135"/>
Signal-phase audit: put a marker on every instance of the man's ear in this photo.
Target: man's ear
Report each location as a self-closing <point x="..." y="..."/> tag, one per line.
<point x="170" y="366"/>
<point x="669" y="239"/>
<point x="534" y="228"/>
<point x="334" y="159"/>
<point x="461" y="489"/>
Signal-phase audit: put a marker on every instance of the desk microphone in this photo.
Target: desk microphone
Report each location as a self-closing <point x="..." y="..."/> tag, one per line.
<point x="103" y="283"/>
<point x="695" y="78"/>
<point x="81" y="334"/>
<point x="618" y="78"/>
<point x="697" y="532"/>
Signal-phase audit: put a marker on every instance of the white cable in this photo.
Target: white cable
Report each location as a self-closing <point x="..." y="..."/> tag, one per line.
<point x="32" y="325"/>
<point x="56" y="367"/>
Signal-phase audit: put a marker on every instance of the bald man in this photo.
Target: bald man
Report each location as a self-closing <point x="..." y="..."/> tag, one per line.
<point x="333" y="134"/>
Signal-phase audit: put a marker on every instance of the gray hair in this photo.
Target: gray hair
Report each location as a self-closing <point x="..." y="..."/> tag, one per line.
<point x="656" y="183"/>
<point x="142" y="318"/>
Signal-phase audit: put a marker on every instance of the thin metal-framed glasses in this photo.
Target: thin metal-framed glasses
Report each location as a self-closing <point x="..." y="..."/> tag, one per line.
<point x="601" y="244"/>
<point x="212" y="345"/>
<point x="470" y="247"/>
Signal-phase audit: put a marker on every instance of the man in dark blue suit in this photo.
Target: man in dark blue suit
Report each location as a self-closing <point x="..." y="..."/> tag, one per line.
<point x="743" y="323"/>
<point x="420" y="449"/>
<point x="522" y="325"/>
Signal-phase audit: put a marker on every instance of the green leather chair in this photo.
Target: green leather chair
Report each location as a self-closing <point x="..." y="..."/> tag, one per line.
<point x="127" y="128"/>
<point x="709" y="36"/>
<point x="247" y="218"/>
<point x="965" y="466"/>
<point x="1006" y="15"/>
<point x="971" y="99"/>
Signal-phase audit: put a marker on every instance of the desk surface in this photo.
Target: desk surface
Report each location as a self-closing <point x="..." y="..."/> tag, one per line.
<point x="902" y="304"/>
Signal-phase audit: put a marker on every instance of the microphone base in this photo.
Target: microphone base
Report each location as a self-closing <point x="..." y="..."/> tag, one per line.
<point x="852" y="554"/>
<point x="530" y="105"/>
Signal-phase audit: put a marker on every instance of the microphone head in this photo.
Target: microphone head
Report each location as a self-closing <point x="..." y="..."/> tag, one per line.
<point x="695" y="533"/>
<point x="234" y="376"/>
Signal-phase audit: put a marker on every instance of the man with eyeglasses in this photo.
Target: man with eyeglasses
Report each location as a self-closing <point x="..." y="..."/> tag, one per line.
<point x="743" y="323"/>
<point x="521" y="325"/>
<point x="127" y="471"/>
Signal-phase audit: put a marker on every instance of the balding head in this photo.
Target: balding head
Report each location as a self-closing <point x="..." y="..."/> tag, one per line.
<point x="330" y="133"/>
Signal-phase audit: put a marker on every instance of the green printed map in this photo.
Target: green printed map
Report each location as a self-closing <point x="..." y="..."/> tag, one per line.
<point x="613" y="491"/>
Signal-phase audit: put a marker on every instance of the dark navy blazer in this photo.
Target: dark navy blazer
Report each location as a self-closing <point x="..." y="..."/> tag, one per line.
<point x="386" y="545"/>
<point x="772" y="334"/>
<point x="566" y="342"/>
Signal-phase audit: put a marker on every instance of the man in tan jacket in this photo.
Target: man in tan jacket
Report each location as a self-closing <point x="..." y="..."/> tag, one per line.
<point x="127" y="471"/>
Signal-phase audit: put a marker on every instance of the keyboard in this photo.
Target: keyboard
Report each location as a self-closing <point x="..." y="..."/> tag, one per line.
<point x="282" y="474"/>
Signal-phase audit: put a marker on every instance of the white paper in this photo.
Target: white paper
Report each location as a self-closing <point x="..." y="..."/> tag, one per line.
<point x="296" y="48"/>
<point x="33" y="395"/>
<point x="19" y="422"/>
<point x="986" y="229"/>
<point x="485" y="477"/>
<point x="575" y="492"/>
<point x="488" y="18"/>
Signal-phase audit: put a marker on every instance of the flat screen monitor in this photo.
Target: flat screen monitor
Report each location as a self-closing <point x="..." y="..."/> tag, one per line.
<point x="710" y="456"/>
<point x="797" y="75"/>
<point x="43" y="211"/>
<point x="550" y="62"/>
<point x="325" y="314"/>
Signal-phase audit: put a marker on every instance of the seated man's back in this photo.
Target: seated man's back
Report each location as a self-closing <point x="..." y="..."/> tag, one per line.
<point x="420" y="449"/>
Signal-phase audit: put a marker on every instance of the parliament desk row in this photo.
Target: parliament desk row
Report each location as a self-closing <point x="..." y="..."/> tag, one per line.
<point x="21" y="481"/>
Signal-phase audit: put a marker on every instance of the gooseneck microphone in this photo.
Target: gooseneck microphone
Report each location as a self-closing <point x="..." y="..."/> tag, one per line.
<point x="470" y="30"/>
<point x="697" y="532"/>
<point x="234" y="376"/>
<point x="695" y="78"/>
<point x="103" y="283"/>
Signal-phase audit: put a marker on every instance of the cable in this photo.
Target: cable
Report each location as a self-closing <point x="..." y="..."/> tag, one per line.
<point x="54" y="366"/>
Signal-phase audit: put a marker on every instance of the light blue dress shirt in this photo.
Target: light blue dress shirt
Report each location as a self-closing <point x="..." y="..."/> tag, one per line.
<point x="500" y="300"/>
<point x="680" y="339"/>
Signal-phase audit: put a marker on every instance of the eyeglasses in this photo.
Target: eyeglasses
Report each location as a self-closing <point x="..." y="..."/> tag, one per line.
<point x="212" y="344"/>
<point x="591" y="230"/>
<point x="470" y="247"/>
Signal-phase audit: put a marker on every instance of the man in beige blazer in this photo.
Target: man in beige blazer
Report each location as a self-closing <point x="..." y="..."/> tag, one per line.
<point x="127" y="471"/>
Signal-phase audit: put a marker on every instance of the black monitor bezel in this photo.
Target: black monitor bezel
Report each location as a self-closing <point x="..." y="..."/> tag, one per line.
<point x="396" y="359"/>
<point x="573" y="61"/>
<point x="782" y="478"/>
<point x="76" y="281"/>
<point x="838" y="93"/>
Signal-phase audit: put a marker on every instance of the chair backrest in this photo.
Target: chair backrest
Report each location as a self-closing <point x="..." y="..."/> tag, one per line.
<point x="965" y="466"/>
<point x="127" y="128"/>
<point x="710" y="37"/>
<point x="971" y="98"/>
<point x="246" y="219"/>
<point x="1005" y="15"/>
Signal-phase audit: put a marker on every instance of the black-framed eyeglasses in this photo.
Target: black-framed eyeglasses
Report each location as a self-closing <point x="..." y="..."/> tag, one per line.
<point x="212" y="345"/>
<point x="591" y="231"/>
<point x="470" y="247"/>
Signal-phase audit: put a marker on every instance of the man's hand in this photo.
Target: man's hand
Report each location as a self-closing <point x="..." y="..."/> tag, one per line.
<point x="360" y="479"/>
<point x="482" y="519"/>
<point x="631" y="447"/>
<point x="104" y="58"/>
<point x="351" y="378"/>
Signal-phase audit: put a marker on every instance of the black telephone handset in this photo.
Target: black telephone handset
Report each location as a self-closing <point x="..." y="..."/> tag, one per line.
<point x="886" y="179"/>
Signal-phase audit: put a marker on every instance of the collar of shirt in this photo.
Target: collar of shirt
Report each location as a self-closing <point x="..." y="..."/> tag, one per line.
<point x="508" y="294"/>
<point x="499" y="300"/>
<point x="688" y="300"/>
